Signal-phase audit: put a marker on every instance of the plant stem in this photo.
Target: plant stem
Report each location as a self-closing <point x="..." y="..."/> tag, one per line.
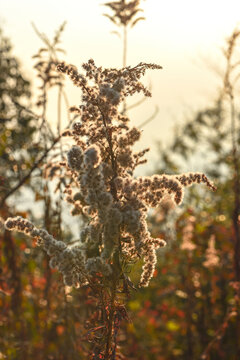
<point x="124" y="61"/>
<point x="110" y="321"/>
<point x="236" y="211"/>
<point x="236" y="178"/>
<point x="124" y="45"/>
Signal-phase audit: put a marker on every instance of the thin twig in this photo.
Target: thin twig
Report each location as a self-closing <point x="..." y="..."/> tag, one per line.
<point x="145" y="122"/>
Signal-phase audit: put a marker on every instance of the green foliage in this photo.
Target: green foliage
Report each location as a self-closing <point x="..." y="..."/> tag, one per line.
<point x="188" y="302"/>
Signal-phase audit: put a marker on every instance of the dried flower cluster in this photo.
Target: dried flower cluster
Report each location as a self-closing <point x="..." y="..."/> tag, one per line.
<point x="68" y="260"/>
<point x="46" y="62"/>
<point x="102" y="186"/>
<point x="188" y="231"/>
<point x="124" y="12"/>
<point x="212" y="258"/>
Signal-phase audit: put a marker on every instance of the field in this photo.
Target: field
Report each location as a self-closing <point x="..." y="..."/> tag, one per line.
<point x="106" y="253"/>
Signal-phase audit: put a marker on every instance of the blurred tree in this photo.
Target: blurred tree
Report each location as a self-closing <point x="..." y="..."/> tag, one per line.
<point x="36" y="317"/>
<point x="17" y="123"/>
<point x="193" y="306"/>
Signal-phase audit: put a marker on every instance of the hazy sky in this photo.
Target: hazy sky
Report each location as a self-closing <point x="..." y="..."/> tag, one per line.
<point x="184" y="37"/>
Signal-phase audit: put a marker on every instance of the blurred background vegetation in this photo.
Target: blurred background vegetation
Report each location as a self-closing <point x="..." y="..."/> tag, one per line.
<point x="191" y="308"/>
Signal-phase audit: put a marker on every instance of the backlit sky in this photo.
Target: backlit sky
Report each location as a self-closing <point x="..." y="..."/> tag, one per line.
<point x="184" y="37"/>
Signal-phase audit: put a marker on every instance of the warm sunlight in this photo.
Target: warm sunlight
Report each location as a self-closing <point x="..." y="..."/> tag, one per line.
<point x="184" y="37"/>
<point x="197" y="20"/>
<point x="119" y="180"/>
